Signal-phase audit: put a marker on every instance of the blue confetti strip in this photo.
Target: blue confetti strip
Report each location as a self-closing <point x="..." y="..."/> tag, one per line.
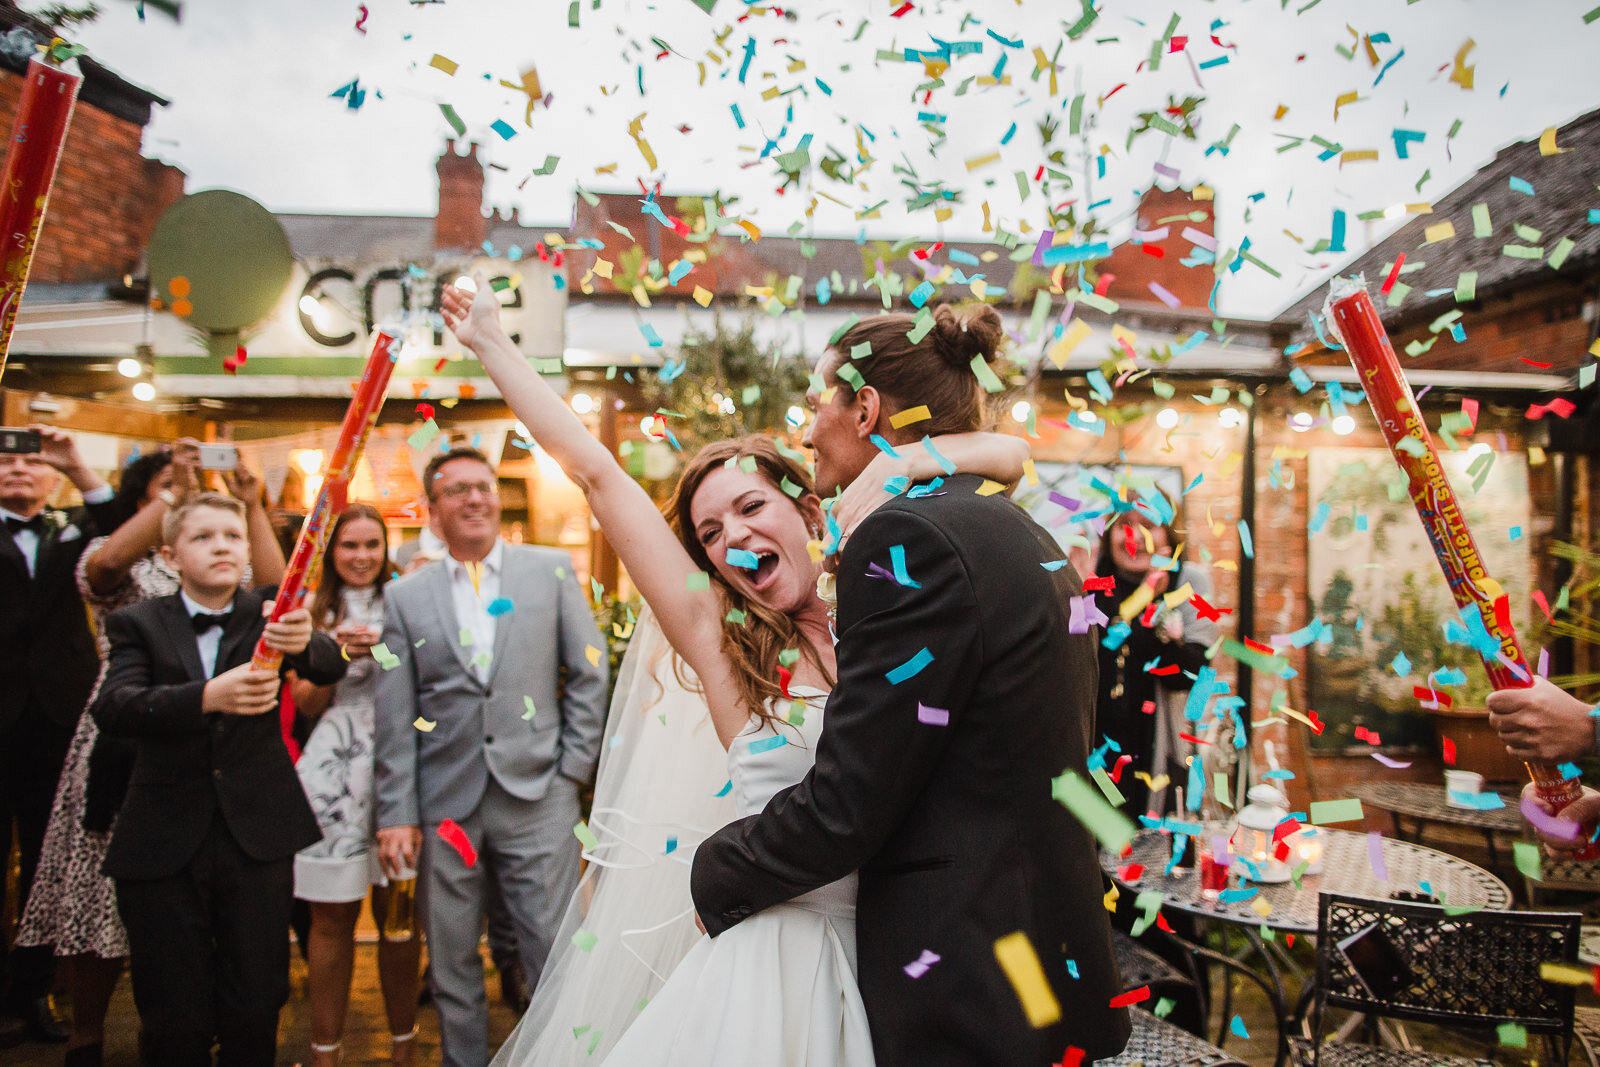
<point x="910" y="668"/>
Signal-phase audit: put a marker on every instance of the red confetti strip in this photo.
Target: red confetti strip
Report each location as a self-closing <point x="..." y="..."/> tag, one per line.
<point x="1104" y="283"/>
<point x="1130" y="540"/>
<point x="456" y="838"/>
<point x="1502" y="612"/>
<point x="1154" y="250"/>
<point x="1316" y="723"/>
<point x="1122" y="761"/>
<point x="1099" y="584"/>
<point x="1132" y="872"/>
<point x="1177" y="44"/>
<point x="901" y="10"/>
<point x="1162" y="925"/>
<point x="1535" y="363"/>
<point x="1113" y="92"/>
<point x="1259" y="647"/>
<point x="425" y="410"/>
<point x="1149" y="707"/>
<point x="1544" y="605"/>
<point x="783" y="682"/>
<point x="1171" y="668"/>
<point x="1206" y="611"/>
<point x="1193" y="740"/>
<point x="1073" y="1057"/>
<point x="1449" y="750"/>
<point x="1149" y="615"/>
<point x="1394" y="274"/>
<point x="1132" y="996"/>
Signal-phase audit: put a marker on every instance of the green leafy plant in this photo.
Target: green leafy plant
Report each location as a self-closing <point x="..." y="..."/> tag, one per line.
<point x="729" y="385"/>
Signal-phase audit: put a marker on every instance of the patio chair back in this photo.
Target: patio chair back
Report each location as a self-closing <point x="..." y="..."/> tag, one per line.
<point x="1474" y="971"/>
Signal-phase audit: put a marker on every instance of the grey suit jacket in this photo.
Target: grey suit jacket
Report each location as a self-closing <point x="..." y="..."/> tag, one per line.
<point x="481" y="730"/>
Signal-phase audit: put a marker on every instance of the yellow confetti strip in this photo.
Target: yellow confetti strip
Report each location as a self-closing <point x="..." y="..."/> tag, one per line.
<point x="1022" y="967"/>
<point x="909" y="416"/>
<point x="424" y="725"/>
<point x="592" y="654"/>
<point x="1075" y="335"/>
<point x="446" y="65"/>
<point x="1439" y="231"/>
<point x="982" y="161"/>
<point x="989" y="488"/>
<point x="702" y="296"/>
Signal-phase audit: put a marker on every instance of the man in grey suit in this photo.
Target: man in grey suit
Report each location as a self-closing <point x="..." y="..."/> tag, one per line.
<point x="492" y="718"/>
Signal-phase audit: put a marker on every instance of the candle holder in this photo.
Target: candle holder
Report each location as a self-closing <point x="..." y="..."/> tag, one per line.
<point x="1252" y="838"/>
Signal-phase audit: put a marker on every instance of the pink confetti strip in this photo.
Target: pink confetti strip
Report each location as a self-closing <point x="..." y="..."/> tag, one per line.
<point x="932" y="717"/>
<point x="1375" y="855"/>
<point x="1200" y="238"/>
<point x="1391" y="763"/>
<point x="919" y="966"/>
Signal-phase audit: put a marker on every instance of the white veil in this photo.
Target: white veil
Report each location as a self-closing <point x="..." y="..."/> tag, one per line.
<point x="631" y="919"/>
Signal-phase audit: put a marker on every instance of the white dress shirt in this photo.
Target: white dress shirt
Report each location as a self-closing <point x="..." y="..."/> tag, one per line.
<point x="472" y="606"/>
<point x="211" y="640"/>
<point x="28" y="541"/>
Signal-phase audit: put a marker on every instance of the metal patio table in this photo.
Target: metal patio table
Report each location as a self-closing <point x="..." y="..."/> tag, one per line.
<point x="1285" y="908"/>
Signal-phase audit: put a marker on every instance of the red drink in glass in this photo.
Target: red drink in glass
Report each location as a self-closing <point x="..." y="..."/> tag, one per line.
<point x="1213" y="876"/>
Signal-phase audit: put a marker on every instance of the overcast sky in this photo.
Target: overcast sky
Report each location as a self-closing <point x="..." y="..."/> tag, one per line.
<point x="251" y="85"/>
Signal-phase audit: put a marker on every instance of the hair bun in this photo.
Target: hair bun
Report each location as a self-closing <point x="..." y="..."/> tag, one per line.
<point x="962" y="333"/>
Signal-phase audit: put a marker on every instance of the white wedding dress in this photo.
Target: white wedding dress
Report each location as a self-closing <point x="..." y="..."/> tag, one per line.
<point x="779" y="989"/>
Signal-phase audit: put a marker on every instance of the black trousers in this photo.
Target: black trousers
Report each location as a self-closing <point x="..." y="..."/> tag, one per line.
<point x="32" y="752"/>
<point x="209" y="948"/>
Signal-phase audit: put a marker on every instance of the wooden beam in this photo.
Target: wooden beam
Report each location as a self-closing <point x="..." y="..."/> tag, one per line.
<point x="91" y="416"/>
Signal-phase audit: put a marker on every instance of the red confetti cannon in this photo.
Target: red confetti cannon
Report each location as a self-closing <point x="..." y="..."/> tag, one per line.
<point x="48" y="94"/>
<point x="1356" y="320"/>
<point x="305" y="564"/>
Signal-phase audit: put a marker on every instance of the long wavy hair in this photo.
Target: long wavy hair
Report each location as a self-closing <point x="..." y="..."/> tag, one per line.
<point x="755" y="644"/>
<point x="327" y="604"/>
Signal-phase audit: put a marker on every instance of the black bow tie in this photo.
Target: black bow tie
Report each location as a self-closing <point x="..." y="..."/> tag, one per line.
<point x="36" y="524"/>
<point x="203" y="622"/>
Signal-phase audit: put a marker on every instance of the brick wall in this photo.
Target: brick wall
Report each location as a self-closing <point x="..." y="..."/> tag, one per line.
<point x="106" y="198"/>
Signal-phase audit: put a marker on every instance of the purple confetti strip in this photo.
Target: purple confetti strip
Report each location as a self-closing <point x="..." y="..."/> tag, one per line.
<point x="1380" y="869"/>
<point x="932" y="717"/>
<point x="1549" y="825"/>
<point x="919" y="966"/>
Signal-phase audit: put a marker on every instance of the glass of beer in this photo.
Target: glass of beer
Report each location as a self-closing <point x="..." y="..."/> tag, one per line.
<point x="399" y="920"/>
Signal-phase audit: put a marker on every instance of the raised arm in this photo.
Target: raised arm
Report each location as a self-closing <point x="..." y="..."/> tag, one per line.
<point x="996" y="456"/>
<point x="656" y="561"/>
<point x="266" y="554"/>
<point x="135" y="539"/>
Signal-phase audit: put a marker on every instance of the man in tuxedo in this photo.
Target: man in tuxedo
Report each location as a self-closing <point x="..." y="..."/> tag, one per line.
<point x="48" y="665"/>
<point x="203" y="849"/>
<point x="961" y="695"/>
<point x="492" y="719"/>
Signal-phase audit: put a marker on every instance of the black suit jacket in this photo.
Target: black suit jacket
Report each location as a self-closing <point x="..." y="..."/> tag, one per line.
<point x="48" y="660"/>
<point x="188" y="763"/>
<point x="953" y="828"/>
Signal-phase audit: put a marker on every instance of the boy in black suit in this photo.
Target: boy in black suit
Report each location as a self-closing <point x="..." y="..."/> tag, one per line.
<point x="203" y="851"/>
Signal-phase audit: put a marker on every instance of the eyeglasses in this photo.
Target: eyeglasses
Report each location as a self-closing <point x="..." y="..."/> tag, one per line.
<point x="463" y="489"/>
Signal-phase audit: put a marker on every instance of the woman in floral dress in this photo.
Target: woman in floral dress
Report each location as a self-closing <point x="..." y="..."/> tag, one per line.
<point x="73" y="906"/>
<point x="335" y="874"/>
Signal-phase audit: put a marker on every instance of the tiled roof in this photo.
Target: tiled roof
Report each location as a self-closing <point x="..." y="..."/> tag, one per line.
<point x="396" y="237"/>
<point x="1564" y="194"/>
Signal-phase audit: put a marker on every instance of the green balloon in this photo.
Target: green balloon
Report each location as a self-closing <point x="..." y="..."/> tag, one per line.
<point x="232" y="252"/>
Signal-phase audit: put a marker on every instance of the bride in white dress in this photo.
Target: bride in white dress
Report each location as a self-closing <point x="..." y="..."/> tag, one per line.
<point x="733" y="584"/>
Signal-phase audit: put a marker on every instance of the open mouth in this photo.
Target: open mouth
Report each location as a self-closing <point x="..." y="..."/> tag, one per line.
<point x="766" y="570"/>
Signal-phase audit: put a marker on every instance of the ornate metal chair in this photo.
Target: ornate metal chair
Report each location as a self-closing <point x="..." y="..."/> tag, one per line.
<point x="1476" y="971"/>
<point x="1141" y="967"/>
<point x="1158" y="1043"/>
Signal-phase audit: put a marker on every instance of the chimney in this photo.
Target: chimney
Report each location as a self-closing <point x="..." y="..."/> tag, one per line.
<point x="459" y="224"/>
